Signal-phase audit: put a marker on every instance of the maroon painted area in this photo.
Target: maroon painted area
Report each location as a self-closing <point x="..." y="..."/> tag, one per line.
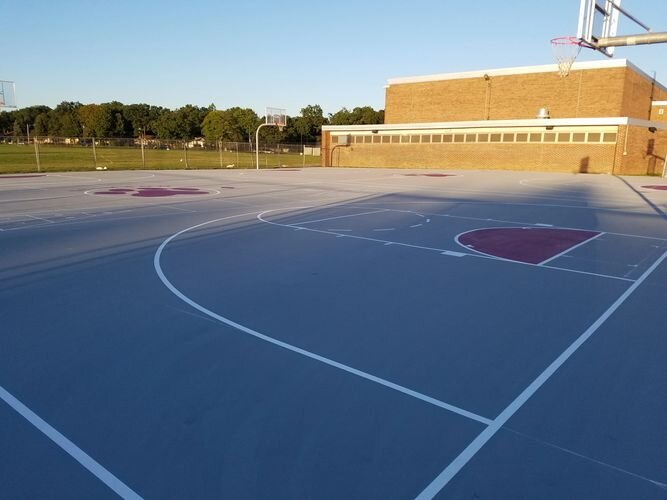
<point x="153" y="192"/>
<point x="659" y="187"/>
<point x="531" y="245"/>
<point x="429" y="175"/>
<point x="21" y="176"/>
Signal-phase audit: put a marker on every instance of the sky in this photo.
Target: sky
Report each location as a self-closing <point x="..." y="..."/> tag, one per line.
<point x="285" y="54"/>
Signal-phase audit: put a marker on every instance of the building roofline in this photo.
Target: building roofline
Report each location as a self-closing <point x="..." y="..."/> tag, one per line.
<point x="554" y="122"/>
<point x="522" y="70"/>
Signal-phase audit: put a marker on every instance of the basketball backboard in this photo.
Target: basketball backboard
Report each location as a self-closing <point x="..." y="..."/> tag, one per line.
<point x="7" y="94"/>
<point x="599" y="23"/>
<point x="276" y="116"/>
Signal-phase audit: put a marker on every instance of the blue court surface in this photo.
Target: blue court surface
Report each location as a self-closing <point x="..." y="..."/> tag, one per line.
<point x="333" y="334"/>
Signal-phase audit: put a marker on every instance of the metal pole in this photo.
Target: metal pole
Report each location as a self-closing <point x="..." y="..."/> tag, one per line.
<point x="143" y="156"/>
<point x="257" y="142"/>
<point x="641" y="39"/>
<point x="237" y="155"/>
<point x="220" y="151"/>
<point x="27" y="130"/>
<point x="39" y="166"/>
<point x="303" y="155"/>
<point x="94" y="154"/>
<point x="185" y="149"/>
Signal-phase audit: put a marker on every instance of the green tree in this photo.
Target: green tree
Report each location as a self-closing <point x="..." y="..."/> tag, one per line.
<point x="365" y="115"/>
<point x="64" y="121"/>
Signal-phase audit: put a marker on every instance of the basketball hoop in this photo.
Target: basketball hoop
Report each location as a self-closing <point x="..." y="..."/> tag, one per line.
<point x="565" y="49"/>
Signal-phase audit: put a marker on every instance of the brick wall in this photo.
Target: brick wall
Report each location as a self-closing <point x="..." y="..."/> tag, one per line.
<point x="640" y="151"/>
<point x="588" y="93"/>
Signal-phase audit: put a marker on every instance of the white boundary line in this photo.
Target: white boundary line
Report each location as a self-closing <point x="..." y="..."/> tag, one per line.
<point x="341" y="217"/>
<point x="471" y="450"/>
<point x="442" y="251"/>
<point x="568" y="250"/>
<point x="290" y="347"/>
<point x="69" y="447"/>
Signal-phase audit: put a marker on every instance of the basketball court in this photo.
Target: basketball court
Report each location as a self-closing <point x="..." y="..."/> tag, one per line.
<point x="332" y="333"/>
<point x="336" y="332"/>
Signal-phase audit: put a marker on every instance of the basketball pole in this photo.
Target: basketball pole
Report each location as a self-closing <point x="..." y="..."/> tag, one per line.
<point x="257" y="141"/>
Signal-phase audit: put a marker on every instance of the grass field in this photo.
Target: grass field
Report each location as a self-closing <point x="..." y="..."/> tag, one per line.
<point x="21" y="158"/>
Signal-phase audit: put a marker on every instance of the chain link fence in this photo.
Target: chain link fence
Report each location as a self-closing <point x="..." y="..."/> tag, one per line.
<point x="43" y="154"/>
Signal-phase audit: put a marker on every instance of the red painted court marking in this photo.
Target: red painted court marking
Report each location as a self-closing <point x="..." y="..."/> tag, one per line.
<point x="152" y="192"/>
<point x="284" y="170"/>
<point x="21" y="176"/>
<point x="429" y="175"/>
<point x="657" y="187"/>
<point x="529" y="245"/>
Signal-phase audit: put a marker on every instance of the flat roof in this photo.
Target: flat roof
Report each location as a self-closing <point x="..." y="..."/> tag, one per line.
<point x="522" y="70"/>
<point x="554" y="122"/>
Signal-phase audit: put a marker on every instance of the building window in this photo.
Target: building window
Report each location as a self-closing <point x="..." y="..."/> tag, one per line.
<point x="521" y="137"/>
<point x="436" y="138"/>
<point x="367" y="139"/>
<point x="405" y="138"/>
<point x="414" y="139"/>
<point x="661" y="111"/>
<point x="334" y="139"/>
<point x="549" y="137"/>
<point x="447" y="138"/>
<point x="609" y="137"/>
<point x="426" y="139"/>
<point x="471" y="137"/>
<point x="385" y="139"/>
<point x="376" y="139"/>
<point x="496" y="137"/>
<point x="508" y="137"/>
<point x="459" y="137"/>
<point x="482" y="137"/>
<point x="395" y="139"/>
<point x="594" y="137"/>
<point x="535" y="137"/>
<point x="578" y="137"/>
<point x="564" y="137"/>
<point x="358" y="139"/>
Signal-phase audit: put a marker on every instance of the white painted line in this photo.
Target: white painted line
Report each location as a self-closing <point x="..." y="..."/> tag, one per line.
<point x="290" y="347"/>
<point x="388" y="243"/>
<point x="340" y="217"/>
<point x="471" y="450"/>
<point x="69" y="447"/>
<point x="442" y="250"/>
<point x="385" y="229"/>
<point x="417" y="225"/>
<point x="539" y="224"/>
<point x="453" y="254"/>
<point x="568" y="250"/>
<point x="340" y="230"/>
<point x="40" y="218"/>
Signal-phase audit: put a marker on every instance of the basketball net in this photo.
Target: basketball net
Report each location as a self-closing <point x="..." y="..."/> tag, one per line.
<point x="565" y="49"/>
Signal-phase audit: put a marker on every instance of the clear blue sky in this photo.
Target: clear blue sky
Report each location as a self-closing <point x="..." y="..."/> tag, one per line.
<point x="287" y="54"/>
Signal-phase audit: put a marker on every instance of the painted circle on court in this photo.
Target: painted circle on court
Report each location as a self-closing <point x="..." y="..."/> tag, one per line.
<point x="530" y="245"/>
<point x="152" y="192"/>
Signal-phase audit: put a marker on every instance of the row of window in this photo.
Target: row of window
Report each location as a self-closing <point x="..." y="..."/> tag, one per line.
<point x="486" y="137"/>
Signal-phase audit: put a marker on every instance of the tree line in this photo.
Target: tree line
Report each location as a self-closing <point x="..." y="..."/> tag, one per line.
<point x="115" y="119"/>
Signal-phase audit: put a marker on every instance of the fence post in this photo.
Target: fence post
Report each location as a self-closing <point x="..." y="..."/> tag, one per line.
<point x="143" y="155"/>
<point x="39" y="166"/>
<point x="185" y="150"/>
<point x="220" y="151"/>
<point x="94" y="154"/>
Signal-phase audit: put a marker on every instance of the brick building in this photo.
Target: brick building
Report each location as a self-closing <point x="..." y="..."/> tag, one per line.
<point x="605" y="117"/>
